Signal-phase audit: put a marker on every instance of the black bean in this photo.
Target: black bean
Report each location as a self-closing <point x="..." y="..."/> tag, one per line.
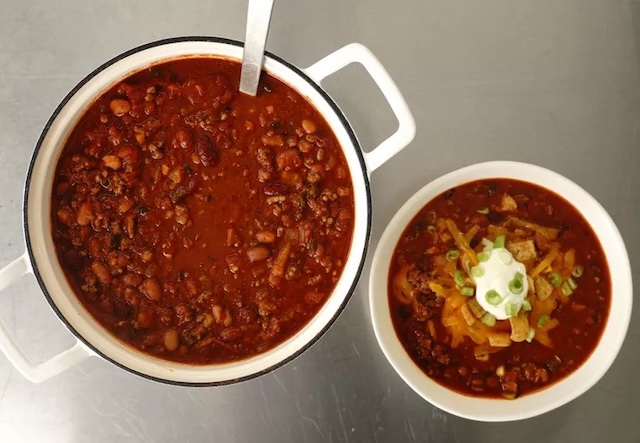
<point x="449" y="194"/>
<point x="121" y="308"/>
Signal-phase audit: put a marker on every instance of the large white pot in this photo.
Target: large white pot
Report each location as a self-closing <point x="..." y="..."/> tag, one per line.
<point x="41" y="260"/>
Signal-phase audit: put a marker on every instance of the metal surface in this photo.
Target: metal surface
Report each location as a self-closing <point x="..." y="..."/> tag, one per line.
<point x="542" y="81"/>
<point x="258" y="19"/>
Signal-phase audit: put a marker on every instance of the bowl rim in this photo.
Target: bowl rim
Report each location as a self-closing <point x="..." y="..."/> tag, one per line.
<point x="366" y="222"/>
<point x="560" y="392"/>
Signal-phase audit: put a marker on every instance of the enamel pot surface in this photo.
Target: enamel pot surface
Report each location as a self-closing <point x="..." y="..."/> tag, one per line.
<point x="40" y="257"/>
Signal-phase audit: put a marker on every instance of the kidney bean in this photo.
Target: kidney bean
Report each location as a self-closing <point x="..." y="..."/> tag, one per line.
<point x="206" y="151"/>
<point x="275" y="189"/>
<point x="272" y="140"/>
<point x="183" y="139"/>
<point x="151" y="289"/>
<point x="266" y="236"/>
<point x="101" y="271"/>
<point x="85" y="214"/>
<point x="308" y="126"/>
<point x="119" y="106"/>
<point x="288" y="160"/>
<point x="258" y="253"/>
<point x="171" y="340"/>
<point x="232" y="333"/>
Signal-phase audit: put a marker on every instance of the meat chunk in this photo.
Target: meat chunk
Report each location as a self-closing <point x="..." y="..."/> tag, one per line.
<point x="419" y="280"/>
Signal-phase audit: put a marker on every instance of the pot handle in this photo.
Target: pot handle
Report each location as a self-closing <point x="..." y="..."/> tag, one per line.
<point x="357" y="53"/>
<point x="8" y="345"/>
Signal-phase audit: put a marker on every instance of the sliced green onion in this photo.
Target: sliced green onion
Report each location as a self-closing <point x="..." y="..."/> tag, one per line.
<point x="458" y="277"/>
<point x="477" y="271"/>
<point x="572" y="284"/>
<point x="499" y="241"/>
<point x="483" y="256"/>
<point x="511" y="309"/>
<point x="555" y="279"/>
<point x="566" y="289"/>
<point x="466" y="291"/>
<point x="530" y="335"/>
<point x="505" y="256"/>
<point x="577" y="271"/>
<point x="488" y="320"/>
<point x="526" y="305"/>
<point x="431" y="228"/>
<point x="452" y="254"/>
<point x="484" y="211"/>
<point x="493" y="298"/>
<point x="519" y="276"/>
<point x="515" y="286"/>
<point x="488" y="244"/>
<point x="543" y="320"/>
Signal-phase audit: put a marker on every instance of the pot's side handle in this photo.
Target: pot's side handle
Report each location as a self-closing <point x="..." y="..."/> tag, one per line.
<point x="357" y="53"/>
<point x="8" y="345"/>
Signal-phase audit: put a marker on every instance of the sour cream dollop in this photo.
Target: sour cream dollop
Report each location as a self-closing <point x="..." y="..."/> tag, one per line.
<point x="501" y="283"/>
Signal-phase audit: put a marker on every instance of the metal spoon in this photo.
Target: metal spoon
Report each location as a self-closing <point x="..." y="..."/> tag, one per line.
<point x="258" y="18"/>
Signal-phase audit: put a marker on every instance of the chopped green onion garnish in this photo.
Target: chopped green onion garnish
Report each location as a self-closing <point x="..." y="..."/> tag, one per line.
<point x="526" y="305"/>
<point x="555" y="279"/>
<point x="431" y="228"/>
<point x="458" y="277"/>
<point x="519" y="276"/>
<point x="516" y="286"/>
<point x="505" y="256"/>
<point x="488" y="320"/>
<point x="577" y="271"/>
<point x="493" y="298"/>
<point x="511" y="309"/>
<point x="452" y="254"/>
<point x="499" y="241"/>
<point x="477" y="271"/>
<point x="543" y="320"/>
<point x="484" y="211"/>
<point x="566" y="288"/>
<point x="466" y="291"/>
<point x="488" y="244"/>
<point x="531" y="334"/>
<point x="572" y="284"/>
<point x="483" y="256"/>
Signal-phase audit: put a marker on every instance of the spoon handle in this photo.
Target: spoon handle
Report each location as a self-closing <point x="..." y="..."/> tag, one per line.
<point x="258" y="18"/>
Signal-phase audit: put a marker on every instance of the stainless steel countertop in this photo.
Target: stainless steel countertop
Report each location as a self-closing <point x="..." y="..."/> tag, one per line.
<point x="549" y="82"/>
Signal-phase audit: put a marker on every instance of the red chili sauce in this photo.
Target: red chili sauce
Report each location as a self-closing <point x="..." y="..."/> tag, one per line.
<point x="462" y="348"/>
<point x="196" y="223"/>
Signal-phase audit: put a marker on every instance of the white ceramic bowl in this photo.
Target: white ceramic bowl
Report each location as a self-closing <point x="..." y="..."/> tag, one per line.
<point x="556" y="395"/>
<point x="41" y="260"/>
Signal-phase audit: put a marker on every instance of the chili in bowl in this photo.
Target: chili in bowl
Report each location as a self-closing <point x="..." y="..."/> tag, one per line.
<point x="188" y="233"/>
<point x="501" y="282"/>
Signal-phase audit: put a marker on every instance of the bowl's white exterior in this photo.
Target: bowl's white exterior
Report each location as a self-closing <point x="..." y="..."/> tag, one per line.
<point x="547" y="399"/>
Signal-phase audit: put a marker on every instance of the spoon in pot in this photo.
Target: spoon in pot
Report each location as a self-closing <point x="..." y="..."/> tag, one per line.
<point x="258" y="18"/>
